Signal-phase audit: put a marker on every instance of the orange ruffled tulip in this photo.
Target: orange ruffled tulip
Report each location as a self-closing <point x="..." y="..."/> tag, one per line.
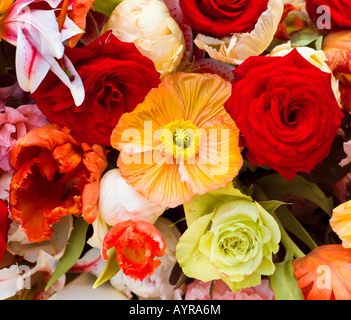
<point x="325" y="273"/>
<point x="179" y="141"/>
<point x="53" y="176"/>
<point x="136" y="244"/>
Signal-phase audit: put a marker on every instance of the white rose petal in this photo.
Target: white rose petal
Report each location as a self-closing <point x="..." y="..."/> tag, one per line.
<point x="155" y="33"/>
<point x="118" y="201"/>
<point x="240" y="46"/>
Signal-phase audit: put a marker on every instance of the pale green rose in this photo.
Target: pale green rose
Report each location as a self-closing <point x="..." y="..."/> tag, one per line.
<point x="230" y="237"/>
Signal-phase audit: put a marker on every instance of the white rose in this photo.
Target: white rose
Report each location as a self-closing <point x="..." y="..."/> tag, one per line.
<point x="154" y="32"/>
<point x="236" y="48"/>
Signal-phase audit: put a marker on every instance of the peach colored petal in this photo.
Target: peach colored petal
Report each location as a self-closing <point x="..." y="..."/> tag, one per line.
<point x="78" y="14"/>
<point x="341" y="223"/>
<point x="203" y="95"/>
<point x="325" y="273"/>
<point x="219" y="158"/>
<point x="158" y="181"/>
<point x="161" y="107"/>
<point x="96" y="163"/>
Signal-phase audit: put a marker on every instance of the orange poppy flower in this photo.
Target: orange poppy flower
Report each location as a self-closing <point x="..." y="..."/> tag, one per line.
<point x="179" y="141"/>
<point x="53" y="176"/>
<point x="325" y="273"/>
<point x="136" y="243"/>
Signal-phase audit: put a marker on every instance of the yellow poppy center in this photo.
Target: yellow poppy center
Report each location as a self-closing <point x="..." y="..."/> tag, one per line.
<point x="182" y="138"/>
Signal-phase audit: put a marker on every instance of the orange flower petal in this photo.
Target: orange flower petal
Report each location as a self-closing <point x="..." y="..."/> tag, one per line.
<point x="146" y="118"/>
<point x="325" y="273"/>
<point x="152" y="159"/>
<point x="29" y="145"/>
<point x="340" y="222"/>
<point x="219" y="158"/>
<point x="203" y="96"/>
<point x="96" y="163"/>
<point x="53" y="177"/>
<point x="159" y="181"/>
<point x="33" y="200"/>
<point x="78" y="14"/>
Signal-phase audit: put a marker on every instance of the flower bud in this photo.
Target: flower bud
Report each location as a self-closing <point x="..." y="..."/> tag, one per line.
<point x="118" y="201"/>
<point x="155" y="33"/>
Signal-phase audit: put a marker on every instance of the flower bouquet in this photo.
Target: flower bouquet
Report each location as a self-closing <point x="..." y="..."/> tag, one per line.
<point x="175" y="150"/>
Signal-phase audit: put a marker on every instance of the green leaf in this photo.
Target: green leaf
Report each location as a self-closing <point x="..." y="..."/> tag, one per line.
<point x="286" y="218"/>
<point x="275" y="185"/>
<point x="304" y="37"/>
<point x="106" y="7"/>
<point x="271" y="205"/>
<point x="109" y="270"/>
<point x="73" y="250"/>
<point x="319" y="42"/>
<point x="284" y="283"/>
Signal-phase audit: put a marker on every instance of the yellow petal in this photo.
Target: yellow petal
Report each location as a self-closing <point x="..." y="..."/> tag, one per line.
<point x="135" y="130"/>
<point x="5" y="4"/>
<point x="203" y="96"/>
<point x="158" y="181"/>
<point x="341" y="223"/>
<point x="219" y="159"/>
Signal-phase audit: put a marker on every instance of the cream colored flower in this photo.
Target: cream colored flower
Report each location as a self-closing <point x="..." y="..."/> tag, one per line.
<point x="317" y="58"/>
<point x="155" y="33"/>
<point x="239" y="46"/>
<point x="118" y="201"/>
<point x="340" y="222"/>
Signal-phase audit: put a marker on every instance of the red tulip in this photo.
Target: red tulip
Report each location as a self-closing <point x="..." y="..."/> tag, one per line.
<point x="136" y="244"/>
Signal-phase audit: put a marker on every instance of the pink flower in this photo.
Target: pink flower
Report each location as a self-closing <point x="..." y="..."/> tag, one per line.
<point x="199" y="290"/>
<point x="15" y="123"/>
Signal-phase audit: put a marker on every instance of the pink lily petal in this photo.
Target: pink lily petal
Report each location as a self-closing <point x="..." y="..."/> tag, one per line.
<point x="70" y="29"/>
<point x="189" y="44"/>
<point x="74" y="83"/>
<point x="31" y="67"/>
<point x="39" y="45"/>
<point x="19" y="5"/>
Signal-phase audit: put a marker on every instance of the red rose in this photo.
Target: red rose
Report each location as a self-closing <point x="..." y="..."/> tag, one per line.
<point x="338" y="11"/>
<point x="222" y="17"/>
<point x="136" y="243"/>
<point x="116" y="77"/>
<point x="286" y="111"/>
<point x="4" y="227"/>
